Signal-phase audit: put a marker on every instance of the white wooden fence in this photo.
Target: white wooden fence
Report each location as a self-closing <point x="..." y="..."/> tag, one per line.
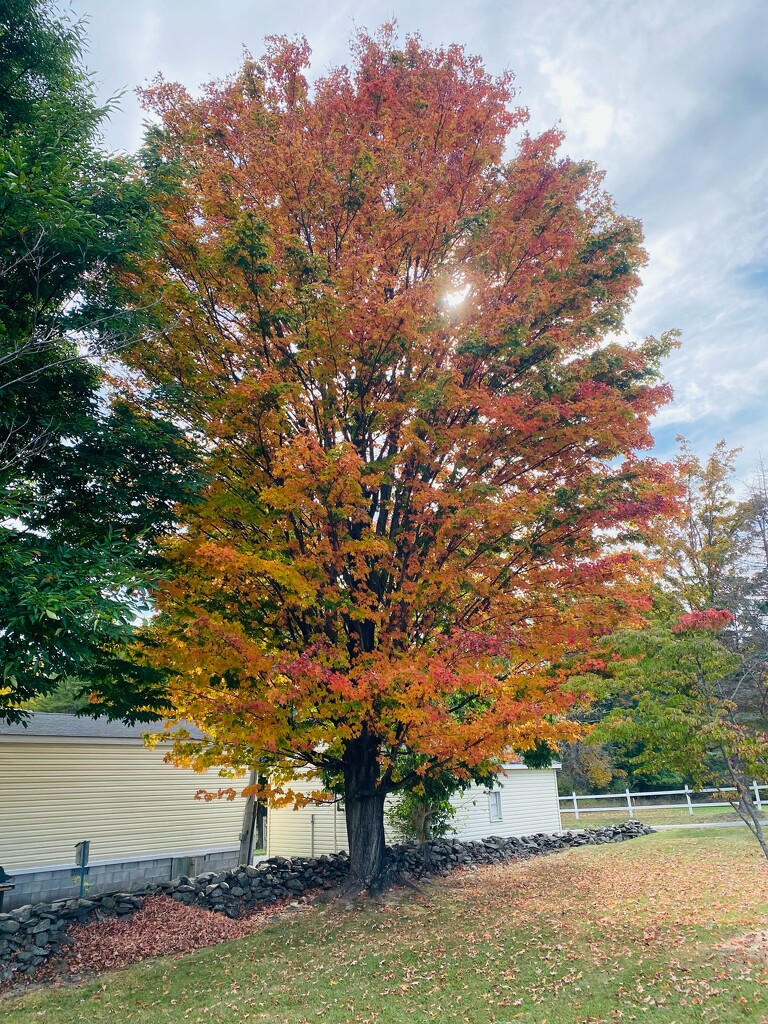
<point x="570" y="803"/>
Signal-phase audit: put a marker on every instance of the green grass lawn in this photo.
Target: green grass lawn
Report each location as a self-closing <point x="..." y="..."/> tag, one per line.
<point x="633" y="932"/>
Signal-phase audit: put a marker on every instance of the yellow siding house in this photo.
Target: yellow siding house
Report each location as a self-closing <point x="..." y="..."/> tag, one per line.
<point x="64" y="779"/>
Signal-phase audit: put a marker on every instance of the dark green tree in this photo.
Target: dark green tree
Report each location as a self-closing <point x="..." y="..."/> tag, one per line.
<point x="86" y="484"/>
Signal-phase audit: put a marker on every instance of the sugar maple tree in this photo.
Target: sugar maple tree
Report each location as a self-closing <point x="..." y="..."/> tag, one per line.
<point x="394" y="345"/>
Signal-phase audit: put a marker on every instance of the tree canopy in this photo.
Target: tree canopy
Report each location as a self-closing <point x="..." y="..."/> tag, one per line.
<point x="400" y="351"/>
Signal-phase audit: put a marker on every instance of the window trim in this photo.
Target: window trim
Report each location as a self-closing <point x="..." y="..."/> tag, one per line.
<point x="495" y="809"/>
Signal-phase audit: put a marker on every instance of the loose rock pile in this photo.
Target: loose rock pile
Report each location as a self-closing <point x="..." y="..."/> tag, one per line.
<point x="30" y="935"/>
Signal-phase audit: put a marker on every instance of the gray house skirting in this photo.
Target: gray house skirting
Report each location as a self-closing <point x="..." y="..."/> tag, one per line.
<point x="44" y="884"/>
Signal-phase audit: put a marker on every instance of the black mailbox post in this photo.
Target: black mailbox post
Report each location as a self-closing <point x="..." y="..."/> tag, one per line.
<point x="6" y="885"/>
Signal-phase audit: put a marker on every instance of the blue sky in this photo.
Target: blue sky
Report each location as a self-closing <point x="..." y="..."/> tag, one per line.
<point x="669" y="97"/>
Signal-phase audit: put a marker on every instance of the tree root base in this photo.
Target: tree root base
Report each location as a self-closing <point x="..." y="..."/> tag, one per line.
<point x="353" y="889"/>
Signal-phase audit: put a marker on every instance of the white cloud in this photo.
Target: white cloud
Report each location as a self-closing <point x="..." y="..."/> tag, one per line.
<point x="669" y="98"/>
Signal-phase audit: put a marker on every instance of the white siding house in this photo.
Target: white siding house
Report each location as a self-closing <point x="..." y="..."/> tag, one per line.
<point x="523" y="802"/>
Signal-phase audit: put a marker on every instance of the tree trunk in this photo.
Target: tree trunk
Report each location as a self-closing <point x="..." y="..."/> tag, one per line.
<point x="364" y="809"/>
<point x="745" y="806"/>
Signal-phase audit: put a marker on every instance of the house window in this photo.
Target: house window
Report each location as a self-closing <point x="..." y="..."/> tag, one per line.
<point x="494" y="805"/>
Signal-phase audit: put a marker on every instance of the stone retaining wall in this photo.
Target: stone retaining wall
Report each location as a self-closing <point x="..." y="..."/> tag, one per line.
<point x="30" y="935"/>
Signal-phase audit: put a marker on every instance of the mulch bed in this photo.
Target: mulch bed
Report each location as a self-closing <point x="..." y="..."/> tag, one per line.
<point x="163" y="927"/>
